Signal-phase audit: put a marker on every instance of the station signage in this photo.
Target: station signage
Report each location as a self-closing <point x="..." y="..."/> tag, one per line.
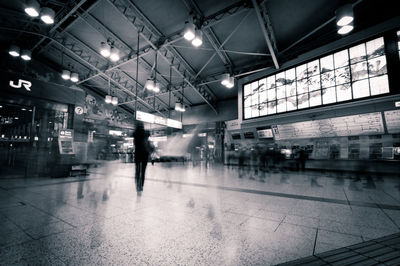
<point x="154" y="119"/>
<point x="65" y="141"/>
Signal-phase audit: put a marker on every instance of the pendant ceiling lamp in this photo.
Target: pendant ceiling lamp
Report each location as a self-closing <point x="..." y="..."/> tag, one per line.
<point x="114" y="100"/>
<point x="74" y="77"/>
<point x="198" y="39"/>
<point x="32" y="8"/>
<point x="66" y="74"/>
<point x="14" y="50"/>
<point x="108" y="99"/>
<point x="114" y="54"/>
<point x="346" y="29"/>
<point x="47" y="15"/>
<point x="344" y="15"/>
<point x="26" y="55"/>
<point x="105" y="49"/>
<point x="189" y="31"/>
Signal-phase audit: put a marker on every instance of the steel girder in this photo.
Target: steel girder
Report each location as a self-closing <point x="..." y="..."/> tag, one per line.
<point x="151" y="35"/>
<point x="95" y="61"/>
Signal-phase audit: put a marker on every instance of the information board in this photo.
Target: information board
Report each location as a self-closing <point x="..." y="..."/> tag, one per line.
<point x="364" y="124"/>
<point x="392" y="119"/>
<point x="265" y="134"/>
<point x="65" y="141"/>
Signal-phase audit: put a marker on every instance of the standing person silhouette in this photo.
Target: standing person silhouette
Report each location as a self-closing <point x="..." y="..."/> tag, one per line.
<point x="142" y="152"/>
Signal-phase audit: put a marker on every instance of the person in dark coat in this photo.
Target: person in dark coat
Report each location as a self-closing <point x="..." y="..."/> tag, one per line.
<point x="142" y="152"/>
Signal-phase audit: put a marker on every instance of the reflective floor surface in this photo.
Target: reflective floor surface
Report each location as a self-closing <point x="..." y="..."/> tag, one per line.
<point x="190" y="216"/>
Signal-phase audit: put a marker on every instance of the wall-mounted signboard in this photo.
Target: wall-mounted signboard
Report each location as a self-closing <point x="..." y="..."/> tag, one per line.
<point x="65" y="141"/>
<point x="265" y="133"/>
<point x="363" y="124"/>
<point x="392" y="119"/>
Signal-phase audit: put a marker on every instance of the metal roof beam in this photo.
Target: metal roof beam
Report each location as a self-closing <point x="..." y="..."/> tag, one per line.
<point x="151" y="35"/>
<point x="266" y="33"/>
<point x="100" y="27"/>
<point x="85" y="54"/>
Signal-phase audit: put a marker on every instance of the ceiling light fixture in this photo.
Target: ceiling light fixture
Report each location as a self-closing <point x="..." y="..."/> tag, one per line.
<point x="228" y="81"/>
<point x="47" y="15"/>
<point x="179" y="107"/>
<point x="156" y="87"/>
<point x="189" y="31"/>
<point x="66" y="74"/>
<point x="108" y="99"/>
<point x="149" y="84"/>
<point x="74" y="77"/>
<point x="114" y="54"/>
<point x="231" y="83"/>
<point x="32" y="8"/>
<point x="345" y="29"/>
<point x="198" y="39"/>
<point x="114" y="100"/>
<point x="105" y="49"/>
<point x="344" y="15"/>
<point x="14" y="50"/>
<point x="225" y="79"/>
<point x="26" y="55"/>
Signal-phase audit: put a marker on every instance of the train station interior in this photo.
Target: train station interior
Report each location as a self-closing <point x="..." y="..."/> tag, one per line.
<point x="199" y="132"/>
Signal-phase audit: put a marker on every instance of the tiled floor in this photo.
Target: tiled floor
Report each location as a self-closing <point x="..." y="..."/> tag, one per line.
<point x="191" y="216"/>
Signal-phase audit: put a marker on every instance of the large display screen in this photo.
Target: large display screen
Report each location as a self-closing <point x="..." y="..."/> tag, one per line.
<point x="364" y="124"/>
<point x="350" y="74"/>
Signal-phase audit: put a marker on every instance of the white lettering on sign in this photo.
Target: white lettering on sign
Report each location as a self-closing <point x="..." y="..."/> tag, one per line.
<point x="27" y="84"/>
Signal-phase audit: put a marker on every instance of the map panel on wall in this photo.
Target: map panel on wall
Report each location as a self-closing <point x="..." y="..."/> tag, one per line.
<point x="363" y="124"/>
<point x="392" y="119"/>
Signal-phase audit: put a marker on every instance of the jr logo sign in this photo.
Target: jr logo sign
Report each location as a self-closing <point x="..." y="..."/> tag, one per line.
<point x="26" y="84"/>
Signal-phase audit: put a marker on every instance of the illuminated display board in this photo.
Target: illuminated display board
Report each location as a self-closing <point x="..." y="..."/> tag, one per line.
<point x="392" y="119"/>
<point x="153" y="119"/>
<point x="349" y="74"/>
<point x="364" y="124"/>
<point x="265" y="133"/>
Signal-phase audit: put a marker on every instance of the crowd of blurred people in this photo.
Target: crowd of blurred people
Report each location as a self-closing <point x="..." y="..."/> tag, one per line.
<point x="267" y="158"/>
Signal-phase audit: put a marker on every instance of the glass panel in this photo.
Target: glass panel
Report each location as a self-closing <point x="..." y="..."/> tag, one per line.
<point x="303" y="101"/>
<point x="247" y="95"/>
<point x="341" y="59"/>
<point x="379" y="85"/>
<point x="360" y="88"/>
<point x="329" y="95"/>
<point x="280" y="79"/>
<point x="271" y="95"/>
<point x="271" y="82"/>
<point x="328" y="79"/>
<point x="343" y="92"/>
<point x="301" y="72"/>
<point x="359" y="71"/>
<point x="254" y="111"/>
<point x="254" y="96"/>
<point x="377" y="66"/>
<point x="327" y="63"/>
<point x="291" y="103"/>
<point x="272" y="107"/>
<point x="263" y="96"/>
<point x="302" y="86"/>
<point x="291" y="89"/>
<point x="262" y="85"/>
<point x="281" y="92"/>
<point x="342" y="75"/>
<point x="290" y="75"/>
<point x="315" y="98"/>
<point x="247" y="112"/>
<point x="263" y="109"/>
<point x="281" y="106"/>
<point x="375" y="48"/>
<point x="314" y="83"/>
<point x="313" y="68"/>
<point x="358" y="53"/>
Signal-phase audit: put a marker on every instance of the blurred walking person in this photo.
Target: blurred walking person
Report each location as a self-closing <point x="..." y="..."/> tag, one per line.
<point x="142" y="152"/>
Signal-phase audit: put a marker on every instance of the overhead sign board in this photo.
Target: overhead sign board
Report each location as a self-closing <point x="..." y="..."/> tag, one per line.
<point x="154" y="119"/>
